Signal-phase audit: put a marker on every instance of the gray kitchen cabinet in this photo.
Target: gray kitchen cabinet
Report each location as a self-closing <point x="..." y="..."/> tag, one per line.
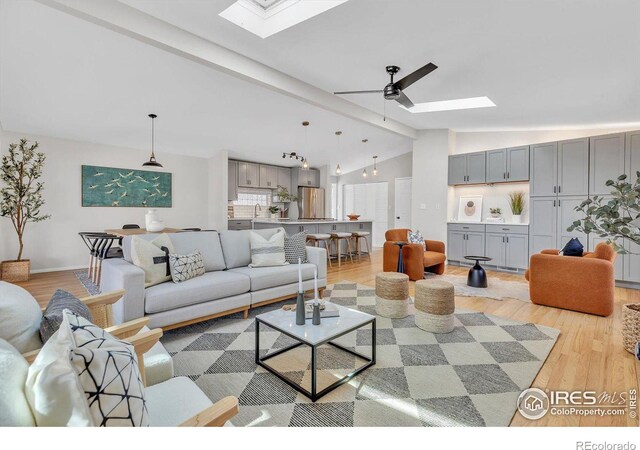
<point x="307" y="177"/>
<point x="620" y="259"/>
<point x="240" y="224"/>
<point x="518" y="163"/>
<point x="495" y="249"/>
<point x="516" y="251"/>
<point x="465" y="240"/>
<point x="632" y="155"/>
<point x="496" y="166"/>
<point x="456" y="245"/>
<point x="566" y="216"/>
<point x="232" y="181"/>
<point x="468" y="168"/>
<point x="268" y="176"/>
<point x="573" y="167"/>
<point x="632" y="262"/>
<point x="248" y="174"/>
<point x="284" y="178"/>
<point x="607" y="157"/>
<point x="543" y="162"/>
<point x="543" y="219"/>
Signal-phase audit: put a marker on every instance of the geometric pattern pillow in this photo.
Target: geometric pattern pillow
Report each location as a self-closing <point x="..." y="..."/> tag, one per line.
<point x="185" y="267"/>
<point x="416" y="238"/>
<point x="108" y="373"/>
<point x="52" y="316"/>
<point x="295" y="247"/>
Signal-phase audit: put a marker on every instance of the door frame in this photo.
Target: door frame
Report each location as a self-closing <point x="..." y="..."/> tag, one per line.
<point x="395" y="198"/>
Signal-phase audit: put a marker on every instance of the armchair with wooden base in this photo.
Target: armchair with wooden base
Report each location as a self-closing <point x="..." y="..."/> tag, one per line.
<point x="416" y="259"/>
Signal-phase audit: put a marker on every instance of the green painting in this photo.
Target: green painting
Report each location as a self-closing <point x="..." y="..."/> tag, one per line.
<point x="108" y="186"/>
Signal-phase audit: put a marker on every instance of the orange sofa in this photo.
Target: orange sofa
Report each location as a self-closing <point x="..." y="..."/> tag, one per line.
<point x="416" y="260"/>
<point x="584" y="284"/>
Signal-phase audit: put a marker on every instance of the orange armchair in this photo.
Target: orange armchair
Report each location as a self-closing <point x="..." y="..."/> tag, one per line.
<point x="580" y="284"/>
<point x="416" y="260"/>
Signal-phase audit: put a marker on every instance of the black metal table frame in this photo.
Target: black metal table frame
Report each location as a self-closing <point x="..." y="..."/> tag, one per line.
<point x="314" y="395"/>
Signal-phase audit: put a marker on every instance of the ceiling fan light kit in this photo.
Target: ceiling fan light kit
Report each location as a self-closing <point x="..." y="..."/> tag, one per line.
<point x="152" y="159"/>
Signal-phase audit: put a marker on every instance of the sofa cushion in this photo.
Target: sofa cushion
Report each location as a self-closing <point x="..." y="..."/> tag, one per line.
<point x="174" y="402"/>
<point x="433" y="258"/>
<point x="210" y="286"/>
<point x="268" y="277"/>
<point x="158" y="365"/>
<point x="20" y="317"/>
<point x="236" y="247"/>
<point x="207" y="242"/>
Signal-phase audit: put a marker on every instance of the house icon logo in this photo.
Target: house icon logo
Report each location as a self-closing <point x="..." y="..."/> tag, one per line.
<point x="533" y="403"/>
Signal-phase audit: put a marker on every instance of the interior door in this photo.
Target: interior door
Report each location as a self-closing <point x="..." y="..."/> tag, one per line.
<point x="402" y="203"/>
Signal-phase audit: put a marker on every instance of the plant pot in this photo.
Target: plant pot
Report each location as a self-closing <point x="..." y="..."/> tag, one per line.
<point x="517" y="218"/>
<point x="293" y="211"/>
<point x="275" y="215"/>
<point x="13" y="271"/>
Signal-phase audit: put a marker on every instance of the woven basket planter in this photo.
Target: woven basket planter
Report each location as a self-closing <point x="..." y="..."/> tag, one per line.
<point x="631" y="326"/>
<point x="13" y="271"/>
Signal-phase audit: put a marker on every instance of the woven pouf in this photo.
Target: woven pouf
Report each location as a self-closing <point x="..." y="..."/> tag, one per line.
<point x="392" y="295"/>
<point x="435" y="304"/>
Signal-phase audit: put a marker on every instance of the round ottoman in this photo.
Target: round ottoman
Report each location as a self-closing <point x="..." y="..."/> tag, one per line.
<point x="435" y="304"/>
<point x="392" y="295"/>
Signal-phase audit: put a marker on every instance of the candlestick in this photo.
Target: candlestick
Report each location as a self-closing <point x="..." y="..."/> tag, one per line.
<point x="315" y="286"/>
<point x="300" y="275"/>
<point x="315" y="318"/>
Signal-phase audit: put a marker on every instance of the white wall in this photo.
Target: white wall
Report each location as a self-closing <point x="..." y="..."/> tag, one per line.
<point x="496" y="196"/>
<point x="218" y="191"/>
<point x="55" y="244"/>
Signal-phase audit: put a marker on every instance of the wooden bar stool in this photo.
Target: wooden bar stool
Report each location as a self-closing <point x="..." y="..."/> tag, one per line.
<point x="356" y="236"/>
<point x="337" y="238"/>
<point x="316" y="238"/>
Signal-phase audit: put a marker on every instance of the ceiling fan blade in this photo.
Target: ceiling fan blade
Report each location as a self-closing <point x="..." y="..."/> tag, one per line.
<point x="415" y="76"/>
<point x="404" y="100"/>
<point x="359" y="92"/>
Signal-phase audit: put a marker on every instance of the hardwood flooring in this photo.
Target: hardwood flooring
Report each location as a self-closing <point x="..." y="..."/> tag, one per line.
<point x="588" y="355"/>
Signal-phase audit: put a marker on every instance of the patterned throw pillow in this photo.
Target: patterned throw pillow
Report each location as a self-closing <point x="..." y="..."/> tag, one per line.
<point x="416" y="238"/>
<point x="185" y="267"/>
<point x="52" y="317"/>
<point x="296" y="247"/>
<point x="267" y="252"/>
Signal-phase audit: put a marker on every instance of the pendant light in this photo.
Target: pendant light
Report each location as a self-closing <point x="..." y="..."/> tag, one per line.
<point x="375" y="168"/>
<point x="152" y="160"/>
<point x="305" y="163"/>
<point x="364" y="171"/>
<point x="338" y="169"/>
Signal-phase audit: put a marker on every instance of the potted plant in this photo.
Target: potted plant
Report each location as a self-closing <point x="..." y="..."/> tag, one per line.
<point x="21" y="199"/>
<point x="495" y="212"/>
<point x="284" y="196"/>
<point x="274" y="211"/>
<point x="516" y="202"/>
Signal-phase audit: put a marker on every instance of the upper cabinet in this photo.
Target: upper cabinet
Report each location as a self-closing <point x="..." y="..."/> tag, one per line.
<point x="544" y="169"/>
<point x="606" y="162"/>
<point x="306" y="177"/>
<point x="268" y="176"/>
<point x="284" y="178"/>
<point x="508" y="164"/>
<point x="467" y="168"/>
<point x="232" y="191"/>
<point x="248" y="174"/>
<point x="573" y="167"/>
<point x="632" y="164"/>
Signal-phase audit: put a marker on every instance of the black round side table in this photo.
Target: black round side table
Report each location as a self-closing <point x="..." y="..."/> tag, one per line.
<point x="400" y="257"/>
<point x="477" y="276"/>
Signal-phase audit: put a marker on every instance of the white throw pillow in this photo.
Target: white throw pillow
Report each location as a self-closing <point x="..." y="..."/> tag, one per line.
<point x="20" y="317"/>
<point x="267" y="252"/>
<point x="14" y="408"/>
<point x="149" y="256"/>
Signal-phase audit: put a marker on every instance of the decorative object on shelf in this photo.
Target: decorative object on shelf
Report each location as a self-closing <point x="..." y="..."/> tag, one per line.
<point x="614" y="217"/>
<point x="21" y="199"/>
<point x="300" y="308"/>
<point x="353" y="217"/>
<point x="470" y="208"/>
<point x="516" y="202"/>
<point x="338" y="169"/>
<point x="495" y="212"/>
<point x="109" y="186"/>
<point x="364" y="171"/>
<point x="152" y="159"/>
<point x="152" y="222"/>
<point x="375" y="167"/>
<point x="273" y="210"/>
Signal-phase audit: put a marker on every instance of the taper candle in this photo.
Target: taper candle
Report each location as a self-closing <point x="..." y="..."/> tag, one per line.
<point x="299" y="274"/>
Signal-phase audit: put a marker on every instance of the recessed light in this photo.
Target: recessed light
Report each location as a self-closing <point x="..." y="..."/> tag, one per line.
<point x="267" y="17"/>
<point x="450" y="105"/>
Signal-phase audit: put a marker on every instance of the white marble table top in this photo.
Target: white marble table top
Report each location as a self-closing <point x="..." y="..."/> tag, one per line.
<point x="308" y="333"/>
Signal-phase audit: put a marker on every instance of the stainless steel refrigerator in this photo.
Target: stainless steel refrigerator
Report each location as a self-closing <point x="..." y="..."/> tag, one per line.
<point x="311" y="203"/>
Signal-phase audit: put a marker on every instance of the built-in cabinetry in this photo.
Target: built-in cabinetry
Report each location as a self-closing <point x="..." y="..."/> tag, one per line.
<point x="468" y="168"/>
<point x="507" y="164"/>
<point x="306" y="177"/>
<point x="240" y="224"/>
<point x="607" y="161"/>
<point x="268" y="177"/>
<point x="248" y="174"/>
<point x="232" y="191"/>
<point x="254" y="175"/>
<point x="284" y="178"/>
<point x="507" y="245"/>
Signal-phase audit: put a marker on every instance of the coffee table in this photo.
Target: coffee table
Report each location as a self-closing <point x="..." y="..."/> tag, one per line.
<point x="477" y="276"/>
<point x="314" y="336"/>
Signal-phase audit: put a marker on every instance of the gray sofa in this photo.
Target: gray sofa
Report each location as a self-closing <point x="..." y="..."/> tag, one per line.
<point x="228" y="286"/>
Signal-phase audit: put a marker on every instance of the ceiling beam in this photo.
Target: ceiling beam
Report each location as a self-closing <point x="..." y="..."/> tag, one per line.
<point x="143" y="27"/>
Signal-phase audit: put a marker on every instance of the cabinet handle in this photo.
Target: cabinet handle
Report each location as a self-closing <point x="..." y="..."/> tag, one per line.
<point x="505" y="229"/>
<point x="559" y="189"/>
<point x="554" y="189"/>
<point x="504" y="175"/>
<point x="554" y="203"/>
<point x="503" y="239"/>
<point x="508" y="175"/>
<point x="558" y="203"/>
<point x="507" y="239"/>
<point x="465" y="228"/>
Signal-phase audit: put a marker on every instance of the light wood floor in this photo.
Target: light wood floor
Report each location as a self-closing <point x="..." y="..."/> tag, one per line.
<point x="588" y="355"/>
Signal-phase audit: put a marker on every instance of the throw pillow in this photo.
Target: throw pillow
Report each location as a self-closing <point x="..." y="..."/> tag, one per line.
<point x="267" y="252"/>
<point x="416" y="238"/>
<point x="20" y="317"/>
<point x="573" y="248"/>
<point x="149" y="256"/>
<point x="14" y="408"/>
<point x="185" y="267"/>
<point x="295" y="247"/>
<point x="52" y="317"/>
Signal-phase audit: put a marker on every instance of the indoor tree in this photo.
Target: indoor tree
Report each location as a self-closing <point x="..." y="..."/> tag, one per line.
<point x="21" y="193"/>
<point x="613" y="217"/>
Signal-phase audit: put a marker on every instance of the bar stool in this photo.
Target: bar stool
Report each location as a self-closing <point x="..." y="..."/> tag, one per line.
<point x="92" y="240"/>
<point x="316" y="238"/>
<point x="337" y="238"/>
<point x="356" y="236"/>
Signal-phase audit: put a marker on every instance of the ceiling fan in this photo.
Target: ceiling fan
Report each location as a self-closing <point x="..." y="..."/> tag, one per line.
<point x="393" y="90"/>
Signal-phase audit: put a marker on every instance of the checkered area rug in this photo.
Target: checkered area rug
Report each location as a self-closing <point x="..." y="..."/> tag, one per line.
<point x="469" y="377"/>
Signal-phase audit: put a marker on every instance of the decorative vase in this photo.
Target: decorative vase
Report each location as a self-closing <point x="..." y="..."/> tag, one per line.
<point x="293" y="210"/>
<point x="152" y="222"/>
<point x="517" y="218"/>
<point x="13" y="271"/>
<point x="315" y="318"/>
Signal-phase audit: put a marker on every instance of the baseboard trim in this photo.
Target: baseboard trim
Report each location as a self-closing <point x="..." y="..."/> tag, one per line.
<point x="59" y="269"/>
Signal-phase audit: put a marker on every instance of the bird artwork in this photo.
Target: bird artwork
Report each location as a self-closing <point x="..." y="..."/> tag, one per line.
<point x="113" y="187"/>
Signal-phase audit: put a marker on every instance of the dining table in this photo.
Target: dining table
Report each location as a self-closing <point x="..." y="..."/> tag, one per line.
<point x="122" y="232"/>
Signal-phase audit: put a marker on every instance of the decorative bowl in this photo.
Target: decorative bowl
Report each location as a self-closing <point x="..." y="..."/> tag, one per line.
<point x="353" y="216"/>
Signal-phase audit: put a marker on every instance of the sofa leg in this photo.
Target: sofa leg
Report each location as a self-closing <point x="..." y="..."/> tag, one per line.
<point x="320" y="292"/>
<point x="246" y="314"/>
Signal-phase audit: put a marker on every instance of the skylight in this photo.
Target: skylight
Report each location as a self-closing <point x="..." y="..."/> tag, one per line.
<point x="268" y="17"/>
<point x="450" y="105"/>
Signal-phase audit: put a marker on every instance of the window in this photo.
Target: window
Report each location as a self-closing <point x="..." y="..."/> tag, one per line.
<point x="251" y="197"/>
